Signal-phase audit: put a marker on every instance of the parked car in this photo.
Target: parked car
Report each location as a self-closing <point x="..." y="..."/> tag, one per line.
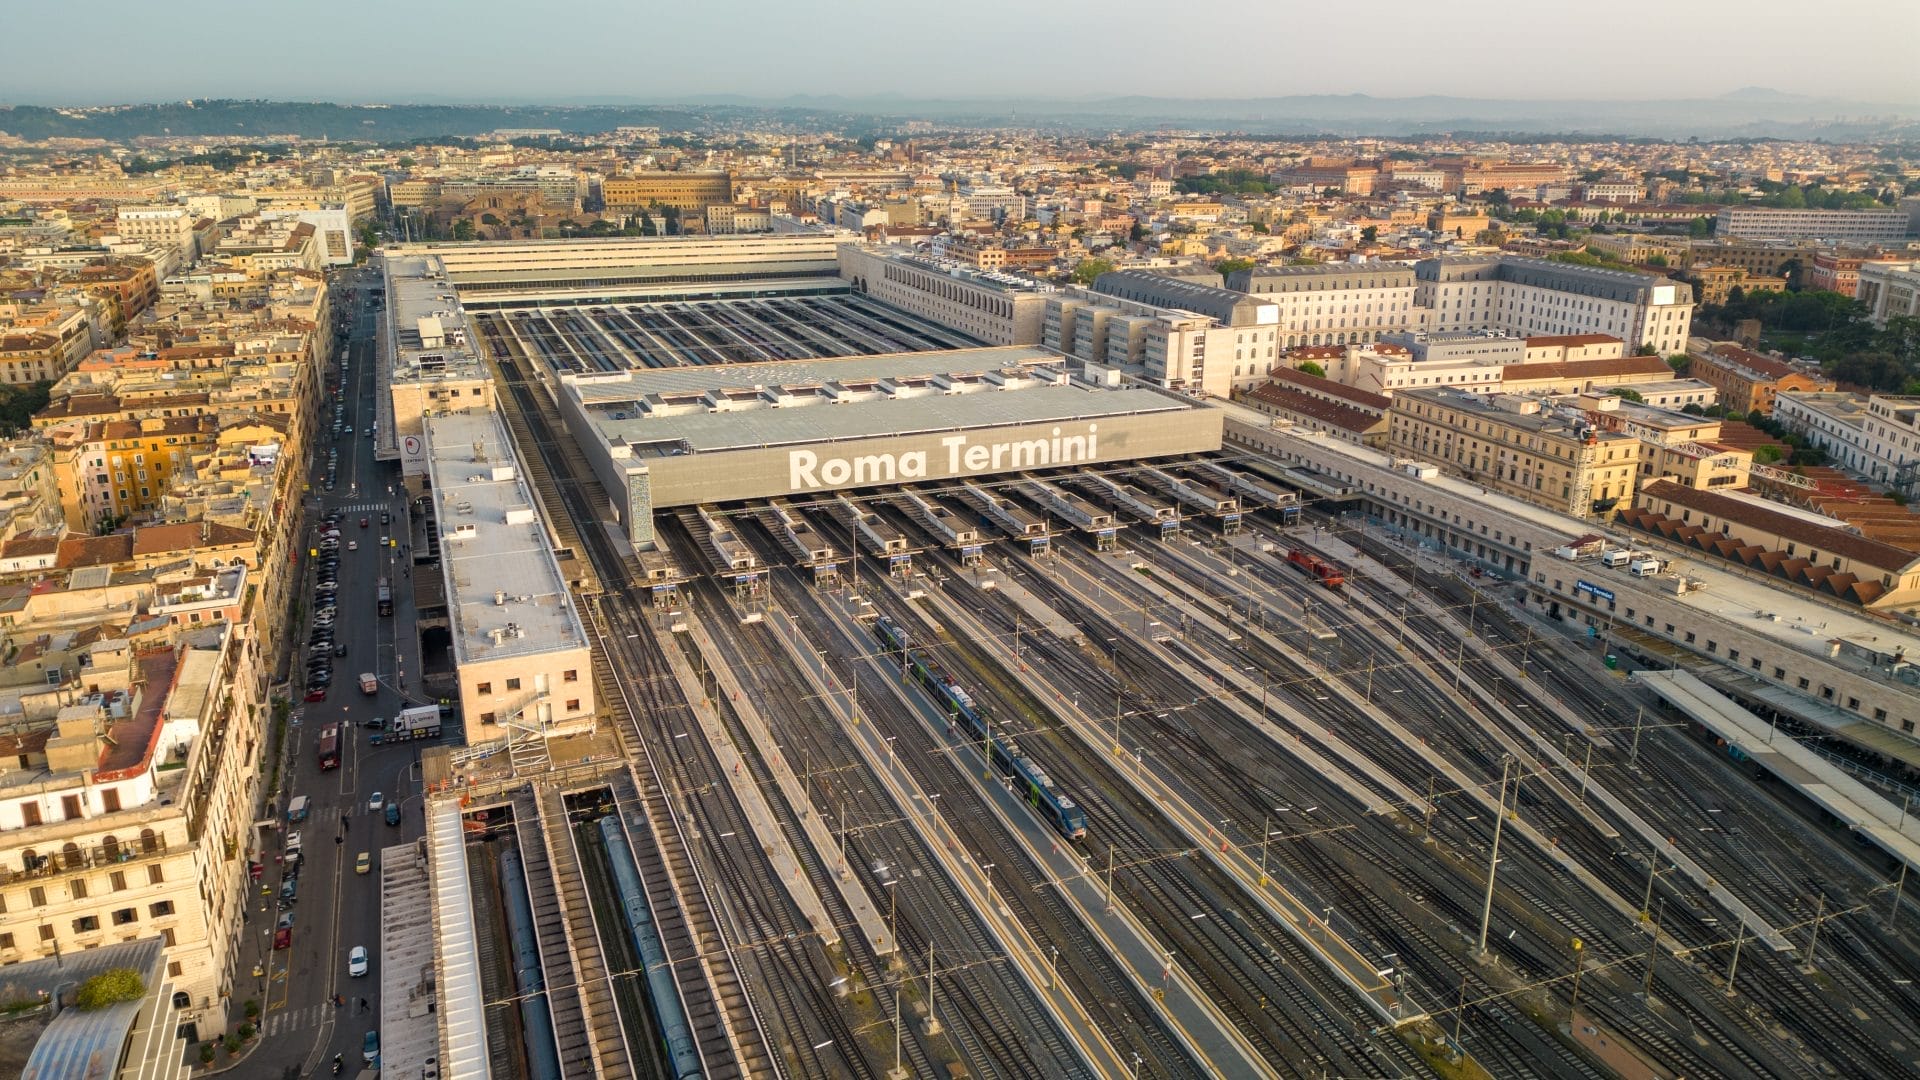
<point x="370" y="1047"/>
<point x="357" y="961"/>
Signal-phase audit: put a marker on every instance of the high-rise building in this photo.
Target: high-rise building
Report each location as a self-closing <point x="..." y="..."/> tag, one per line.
<point x="1860" y="226"/>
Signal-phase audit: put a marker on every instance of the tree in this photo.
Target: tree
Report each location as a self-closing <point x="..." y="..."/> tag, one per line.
<point x="463" y="229"/>
<point x="1629" y="395"/>
<point x="110" y="987"/>
<point x="1692" y="408"/>
<point x="1656" y="259"/>
<point x="1766" y="455"/>
<point x="1231" y="266"/>
<point x="1646" y="349"/>
<point x="1370" y="234"/>
<point x="1138" y="233"/>
<point x="1700" y="228"/>
<point x="1681" y="363"/>
<point x="1086" y="270"/>
<point x="1308" y="367"/>
<point x="406" y="162"/>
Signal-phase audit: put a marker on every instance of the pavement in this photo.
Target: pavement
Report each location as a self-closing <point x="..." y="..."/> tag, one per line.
<point x="301" y="1028"/>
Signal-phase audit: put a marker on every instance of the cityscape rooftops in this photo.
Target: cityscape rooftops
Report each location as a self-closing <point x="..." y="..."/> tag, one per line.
<point x="426" y="326"/>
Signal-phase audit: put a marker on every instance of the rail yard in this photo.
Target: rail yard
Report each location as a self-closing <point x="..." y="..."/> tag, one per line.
<point x="1138" y="767"/>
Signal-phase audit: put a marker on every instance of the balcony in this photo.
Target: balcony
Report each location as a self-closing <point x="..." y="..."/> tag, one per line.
<point x="54" y="862"/>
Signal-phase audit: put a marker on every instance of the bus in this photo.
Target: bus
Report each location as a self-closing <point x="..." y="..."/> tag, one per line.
<point x="329" y="749"/>
<point x="386" y="597"/>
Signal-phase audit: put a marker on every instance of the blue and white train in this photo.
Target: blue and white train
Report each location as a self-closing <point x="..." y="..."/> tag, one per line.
<point x="529" y="978"/>
<point x="663" y="992"/>
<point x="1050" y="803"/>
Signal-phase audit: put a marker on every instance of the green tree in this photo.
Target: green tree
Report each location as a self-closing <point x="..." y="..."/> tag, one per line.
<point x="1700" y="228"/>
<point x="1646" y="349"/>
<point x="406" y="162"/>
<point x="19" y="403"/>
<point x="1086" y="270"/>
<point x="463" y="229"/>
<point x="1138" y="233"/>
<point x="1656" y="259"/>
<point x="110" y="987"/>
<point x="1370" y="234"/>
<point x="1629" y="395"/>
<point x="1693" y="409"/>
<point x="1766" y="455"/>
<point x="1231" y="266"/>
<point x="1681" y="363"/>
<point x="1308" y="367"/>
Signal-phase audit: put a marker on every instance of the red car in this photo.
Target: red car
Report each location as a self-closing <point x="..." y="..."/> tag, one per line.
<point x="283" y="938"/>
<point x="363" y="523"/>
<point x="317" y="693"/>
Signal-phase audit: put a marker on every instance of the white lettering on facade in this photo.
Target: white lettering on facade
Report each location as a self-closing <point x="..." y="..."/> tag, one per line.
<point x="807" y="470"/>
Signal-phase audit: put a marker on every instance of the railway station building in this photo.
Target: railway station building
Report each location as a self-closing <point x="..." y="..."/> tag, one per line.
<point x="688" y="436"/>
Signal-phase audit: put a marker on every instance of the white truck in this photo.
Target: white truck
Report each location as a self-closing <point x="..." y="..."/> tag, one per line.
<point x="418" y="722"/>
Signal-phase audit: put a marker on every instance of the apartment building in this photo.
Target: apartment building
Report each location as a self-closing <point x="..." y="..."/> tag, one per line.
<point x="1889" y="290"/>
<point x="1716" y="283"/>
<point x="170" y="227"/>
<point x="1538" y="297"/>
<point x="1747" y="381"/>
<point x="1541" y="453"/>
<point x="126" y="798"/>
<point x="1341" y="174"/>
<point x="1835" y="271"/>
<point x="1855" y="226"/>
<point x="109" y="471"/>
<point x="995" y="308"/>
<point x="1310" y="403"/>
<point x="1639" y="247"/>
<point x="1759" y="258"/>
<point x="1334" y="303"/>
<point x="332" y="227"/>
<point x="1170" y="345"/>
<point x="1892" y="427"/>
<point x="688" y="192"/>
<point x="1385" y="368"/>
<point x="1836" y="422"/>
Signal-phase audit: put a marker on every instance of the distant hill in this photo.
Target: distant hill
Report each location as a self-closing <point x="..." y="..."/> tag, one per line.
<point x="1752" y="112"/>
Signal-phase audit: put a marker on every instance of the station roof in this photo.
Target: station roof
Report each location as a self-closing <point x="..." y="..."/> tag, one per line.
<point x="676" y="411"/>
<point x="420" y="296"/>
<point x="505" y="592"/>
<point x="77" y="1040"/>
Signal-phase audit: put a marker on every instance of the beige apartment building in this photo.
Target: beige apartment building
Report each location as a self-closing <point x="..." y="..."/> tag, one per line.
<point x="689" y="192"/>
<point x="1541" y="453"/>
<point x="126" y="798"/>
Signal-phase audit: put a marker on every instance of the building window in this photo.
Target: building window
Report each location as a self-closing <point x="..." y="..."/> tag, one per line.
<point x="155" y="875"/>
<point x="160" y="909"/>
<point x="37" y="896"/>
<point x="79" y="888"/>
<point x="86" y="924"/>
<point x="124" y="916"/>
<point x="573" y="704"/>
<point x="6" y="941"/>
<point x="46" y="931"/>
<point x="570" y="675"/>
<point x="487" y="718"/>
<point x="483" y="688"/>
<point x="513" y="684"/>
<point x="117" y="881"/>
<point x="166" y="934"/>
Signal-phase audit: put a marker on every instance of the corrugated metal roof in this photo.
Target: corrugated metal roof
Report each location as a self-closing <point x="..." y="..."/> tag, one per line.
<point x="81" y="1045"/>
<point x="462" y="1002"/>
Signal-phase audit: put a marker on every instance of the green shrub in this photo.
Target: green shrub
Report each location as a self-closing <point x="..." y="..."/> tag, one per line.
<point x="110" y="988"/>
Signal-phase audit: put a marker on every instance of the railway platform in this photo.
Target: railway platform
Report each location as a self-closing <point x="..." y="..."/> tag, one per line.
<point x="1893" y="829"/>
<point x="753" y="802"/>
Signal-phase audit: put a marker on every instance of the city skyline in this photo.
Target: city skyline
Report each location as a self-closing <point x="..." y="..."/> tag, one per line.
<point x="873" y="51"/>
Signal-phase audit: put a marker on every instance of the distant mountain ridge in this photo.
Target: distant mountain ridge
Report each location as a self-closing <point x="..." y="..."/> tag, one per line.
<point x="1750" y="112"/>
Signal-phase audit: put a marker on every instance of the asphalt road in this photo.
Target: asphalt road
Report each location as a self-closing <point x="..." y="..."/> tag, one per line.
<point x="337" y="909"/>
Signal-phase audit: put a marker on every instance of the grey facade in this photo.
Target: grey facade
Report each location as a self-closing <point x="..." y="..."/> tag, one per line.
<point x="1226" y="306"/>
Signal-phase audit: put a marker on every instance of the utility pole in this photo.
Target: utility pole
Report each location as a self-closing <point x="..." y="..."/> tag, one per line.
<point x="1653" y="864"/>
<point x="1109" y="878"/>
<point x="1653" y="951"/>
<point x="1813" y="943"/>
<point x="1428" y="839"/>
<point x="1493" y="857"/>
<point x="1899" y="887"/>
<point x="1639" y="711"/>
<point x="933" y="1021"/>
<point x="1739" y="937"/>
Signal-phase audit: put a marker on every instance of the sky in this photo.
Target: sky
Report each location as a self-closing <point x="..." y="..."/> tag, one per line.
<point x="119" y="51"/>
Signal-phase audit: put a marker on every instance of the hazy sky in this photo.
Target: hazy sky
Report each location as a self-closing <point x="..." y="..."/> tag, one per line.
<point x="97" y="51"/>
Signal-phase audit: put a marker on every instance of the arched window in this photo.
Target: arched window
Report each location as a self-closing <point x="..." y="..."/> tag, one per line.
<point x="149" y="841"/>
<point x="111" y="846"/>
<point x="70" y="856"/>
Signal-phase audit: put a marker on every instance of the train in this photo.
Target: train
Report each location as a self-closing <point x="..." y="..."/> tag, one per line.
<point x="663" y="993"/>
<point x="529" y="978"/>
<point x="1309" y="563"/>
<point x="1052" y="805"/>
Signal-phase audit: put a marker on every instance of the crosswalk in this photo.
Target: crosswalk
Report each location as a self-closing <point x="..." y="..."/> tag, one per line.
<point x="361" y="508"/>
<point x="282" y="1021"/>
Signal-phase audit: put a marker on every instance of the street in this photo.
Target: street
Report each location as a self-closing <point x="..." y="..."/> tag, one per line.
<point x="337" y="909"/>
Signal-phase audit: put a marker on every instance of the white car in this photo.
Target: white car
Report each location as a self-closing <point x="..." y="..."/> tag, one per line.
<point x="375" y="802"/>
<point x="357" y="961"/>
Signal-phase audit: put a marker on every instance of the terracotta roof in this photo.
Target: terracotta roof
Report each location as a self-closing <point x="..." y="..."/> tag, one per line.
<point x="188" y="536"/>
<point x="1822" y="538"/>
<point x="1735" y="356"/>
<point x="1586" y="369"/>
<point x="1365" y="399"/>
<point x="78" y="551"/>
<point x="26" y="742"/>
<point x="1333" y="414"/>
<point x="21" y="547"/>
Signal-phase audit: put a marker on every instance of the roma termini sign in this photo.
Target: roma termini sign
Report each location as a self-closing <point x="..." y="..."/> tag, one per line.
<point x="958" y="455"/>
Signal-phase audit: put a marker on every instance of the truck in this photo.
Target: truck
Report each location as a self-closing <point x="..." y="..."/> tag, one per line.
<point x="384" y="593"/>
<point x="369" y="684"/>
<point x="297" y="809"/>
<point x="418" y="722"/>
